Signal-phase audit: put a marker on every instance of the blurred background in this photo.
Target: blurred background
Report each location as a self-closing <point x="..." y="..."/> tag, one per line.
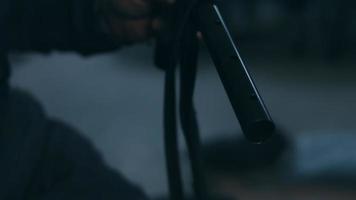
<point x="300" y="53"/>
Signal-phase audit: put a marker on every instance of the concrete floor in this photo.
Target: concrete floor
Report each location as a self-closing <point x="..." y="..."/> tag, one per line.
<point x="116" y="100"/>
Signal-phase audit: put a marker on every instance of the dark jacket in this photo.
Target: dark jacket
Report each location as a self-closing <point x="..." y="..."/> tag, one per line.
<point x="43" y="159"/>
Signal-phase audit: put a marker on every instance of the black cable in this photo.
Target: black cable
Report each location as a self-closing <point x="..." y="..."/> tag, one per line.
<point x="183" y="47"/>
<point x="170" y="138"/>
<point x="189" y="63"/>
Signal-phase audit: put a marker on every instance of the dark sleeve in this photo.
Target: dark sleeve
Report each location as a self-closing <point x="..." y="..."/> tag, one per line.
<point x="45" y="25"/>
<point x="71" y="168"/>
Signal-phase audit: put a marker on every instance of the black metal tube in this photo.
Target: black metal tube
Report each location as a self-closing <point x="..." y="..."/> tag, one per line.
<point x="248" y="105"/>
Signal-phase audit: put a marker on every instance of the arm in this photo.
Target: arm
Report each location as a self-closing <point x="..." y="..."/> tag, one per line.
<point x="44" y="25"/>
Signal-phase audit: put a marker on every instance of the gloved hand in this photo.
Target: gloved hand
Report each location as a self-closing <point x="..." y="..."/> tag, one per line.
<point x="131" y="21"/>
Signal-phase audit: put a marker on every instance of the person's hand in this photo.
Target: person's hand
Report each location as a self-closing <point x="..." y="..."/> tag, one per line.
<point x="131" y="21"/>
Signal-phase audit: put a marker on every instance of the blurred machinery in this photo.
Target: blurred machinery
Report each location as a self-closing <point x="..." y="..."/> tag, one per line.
<point x="314" y="27"/>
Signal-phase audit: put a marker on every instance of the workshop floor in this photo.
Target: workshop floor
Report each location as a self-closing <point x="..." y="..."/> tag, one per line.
<point x="116" y="100"/>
